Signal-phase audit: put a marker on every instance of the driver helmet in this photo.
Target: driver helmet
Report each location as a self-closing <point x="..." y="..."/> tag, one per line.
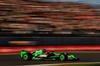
<point x="44" y="50"/>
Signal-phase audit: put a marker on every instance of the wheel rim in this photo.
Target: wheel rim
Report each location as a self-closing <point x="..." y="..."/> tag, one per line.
<point x="62" y="57"/>
<point x="25" y="57"/>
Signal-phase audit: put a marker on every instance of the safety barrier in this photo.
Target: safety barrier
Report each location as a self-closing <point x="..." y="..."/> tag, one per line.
<point x="49" y="48"/>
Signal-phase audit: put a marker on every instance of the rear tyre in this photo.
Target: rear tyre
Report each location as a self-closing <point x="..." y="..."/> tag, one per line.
<point x="63" y="57"/>
<point x="27" y="57"/>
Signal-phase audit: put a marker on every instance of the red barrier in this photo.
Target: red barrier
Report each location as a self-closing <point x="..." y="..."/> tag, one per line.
<point x="49" y="48"/>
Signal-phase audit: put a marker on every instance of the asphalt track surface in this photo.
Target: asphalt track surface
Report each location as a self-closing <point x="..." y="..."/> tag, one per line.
<point x="15" y="60"/>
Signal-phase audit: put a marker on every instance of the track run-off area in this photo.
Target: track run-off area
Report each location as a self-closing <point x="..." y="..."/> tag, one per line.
<point x="16" y="60"/>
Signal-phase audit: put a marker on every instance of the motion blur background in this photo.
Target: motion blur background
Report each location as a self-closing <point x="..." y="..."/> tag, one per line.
<point x="57" y="25"/>
<point x="49" y="18"/>
<point x="49" y="22"/>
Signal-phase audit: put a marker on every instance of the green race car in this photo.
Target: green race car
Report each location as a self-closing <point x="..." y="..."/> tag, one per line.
<point x="43" y="55"/>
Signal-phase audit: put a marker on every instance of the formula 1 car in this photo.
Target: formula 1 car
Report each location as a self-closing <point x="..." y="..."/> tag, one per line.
<point x="26" y="55"/>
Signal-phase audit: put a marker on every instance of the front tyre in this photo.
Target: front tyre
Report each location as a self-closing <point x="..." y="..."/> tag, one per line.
<point x="26" y="57"/>
<point x="62" y="57"/>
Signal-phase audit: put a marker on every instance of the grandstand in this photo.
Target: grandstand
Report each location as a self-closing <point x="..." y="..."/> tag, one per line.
<point x="31" y="17"/>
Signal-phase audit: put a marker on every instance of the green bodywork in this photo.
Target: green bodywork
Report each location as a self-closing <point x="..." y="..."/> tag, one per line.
<point x="72" y="57"/>
<point x="38" y="53"/>
<point x="55" y="55"/>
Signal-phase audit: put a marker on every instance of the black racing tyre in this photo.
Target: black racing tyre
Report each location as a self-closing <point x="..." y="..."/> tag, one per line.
<point x="62" y="57"/>
<point x="27" y="57"/>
